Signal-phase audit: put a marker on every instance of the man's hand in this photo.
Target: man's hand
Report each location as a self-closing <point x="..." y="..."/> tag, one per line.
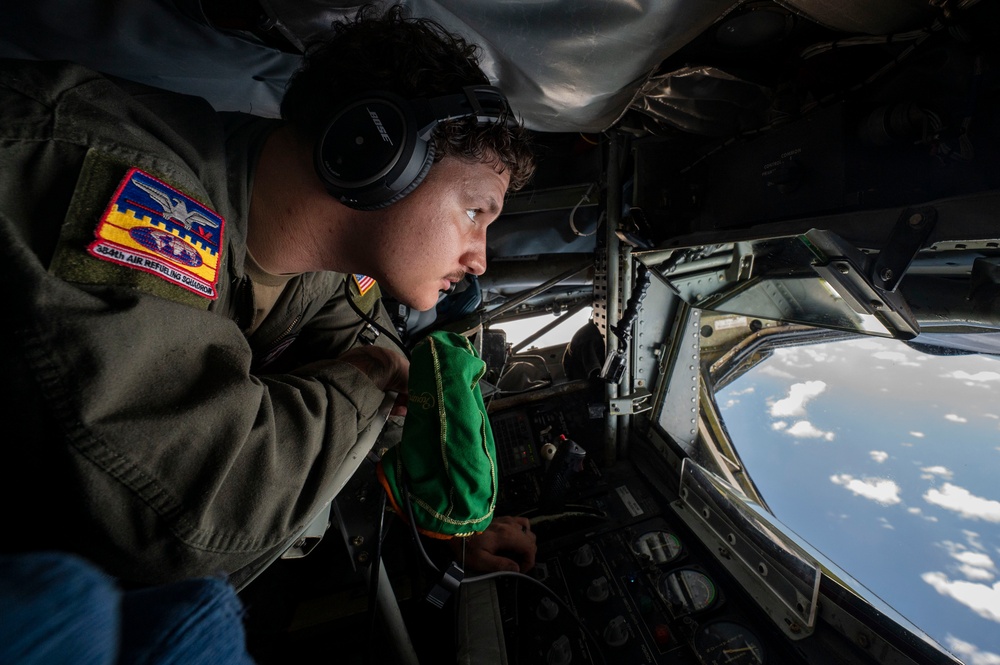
<point x="507" y="544"/>
<point x="387" y="369"/>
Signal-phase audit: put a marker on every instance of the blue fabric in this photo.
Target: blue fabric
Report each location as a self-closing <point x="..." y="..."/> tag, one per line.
<point x="57" y="608"/>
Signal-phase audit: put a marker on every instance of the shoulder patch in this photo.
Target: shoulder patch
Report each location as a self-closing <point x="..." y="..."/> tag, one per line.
<point x="364" y="291"/>
<point x="150" y="226"/>
<point x="364" y="283"/>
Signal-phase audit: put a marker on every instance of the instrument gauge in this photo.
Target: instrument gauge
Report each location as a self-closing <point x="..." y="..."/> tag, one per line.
<point x="728" y="643"/>
<point x="657" y="547"/>
<point x="687" y="591"/>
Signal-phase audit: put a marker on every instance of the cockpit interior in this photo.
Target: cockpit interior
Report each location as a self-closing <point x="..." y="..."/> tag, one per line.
<point x="716" y="180"/>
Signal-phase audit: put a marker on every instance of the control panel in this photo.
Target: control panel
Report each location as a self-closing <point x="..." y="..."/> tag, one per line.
<point x="618" y="578"/>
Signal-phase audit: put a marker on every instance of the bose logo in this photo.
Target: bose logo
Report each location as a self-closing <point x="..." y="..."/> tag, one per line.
<point x="378" y="125"/>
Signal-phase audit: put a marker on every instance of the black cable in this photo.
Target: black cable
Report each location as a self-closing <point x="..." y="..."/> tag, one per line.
<point x="413" y="525"/>
<point x="373" y="323"/>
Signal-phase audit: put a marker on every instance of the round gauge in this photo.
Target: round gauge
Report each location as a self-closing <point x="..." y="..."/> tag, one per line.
<point x="728" y="643"/>
<point x="687" y="591"/>
<point x="657" y="546"/>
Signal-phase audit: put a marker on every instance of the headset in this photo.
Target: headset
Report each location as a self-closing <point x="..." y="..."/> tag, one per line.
<point x="377" y="147"/>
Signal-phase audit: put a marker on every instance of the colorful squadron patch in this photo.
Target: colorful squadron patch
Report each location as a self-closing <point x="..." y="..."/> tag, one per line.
<point x="364" y="283"/>
<point x="150" y="226"/>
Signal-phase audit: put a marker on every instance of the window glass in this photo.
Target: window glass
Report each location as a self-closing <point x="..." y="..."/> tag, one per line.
<point x="885" y="456"/>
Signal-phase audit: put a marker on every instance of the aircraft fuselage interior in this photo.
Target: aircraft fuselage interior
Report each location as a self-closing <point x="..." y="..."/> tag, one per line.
<point x="813" y="168"/>
<point x="861" y="199"/>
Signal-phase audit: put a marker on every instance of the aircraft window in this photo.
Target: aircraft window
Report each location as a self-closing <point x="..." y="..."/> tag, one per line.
<point x="879" y="453"/>
<point x="518" y="330"/>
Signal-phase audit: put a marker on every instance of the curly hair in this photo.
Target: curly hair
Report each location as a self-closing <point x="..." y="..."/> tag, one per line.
<point x="411" y="57"/>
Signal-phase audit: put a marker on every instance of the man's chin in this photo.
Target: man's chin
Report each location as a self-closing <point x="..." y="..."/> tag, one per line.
<point x="419" y="299"/>
<point x="421" y="302"/>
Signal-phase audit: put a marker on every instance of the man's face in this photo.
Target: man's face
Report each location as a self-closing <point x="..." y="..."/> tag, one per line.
<point x="435" y="235"/>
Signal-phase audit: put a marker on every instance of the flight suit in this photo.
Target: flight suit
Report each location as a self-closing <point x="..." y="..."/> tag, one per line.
<point x="144" y="430"/>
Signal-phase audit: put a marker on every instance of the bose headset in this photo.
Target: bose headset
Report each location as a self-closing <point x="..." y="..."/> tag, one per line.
<point x="377" y="147"/>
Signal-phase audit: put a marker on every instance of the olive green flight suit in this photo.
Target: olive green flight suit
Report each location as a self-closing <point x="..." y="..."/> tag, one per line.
<point x="143" y="430"/>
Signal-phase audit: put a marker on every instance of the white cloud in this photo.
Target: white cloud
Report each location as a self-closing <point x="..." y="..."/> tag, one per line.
<point x="804" y="429"/>
<point x="982" y="599"/>
<point x="976" y="566"/>
<point x="955" y="418"/>
<point x="866" y="344"/>
<point x="771" y="370"/>
<point x="975" y="573"/>
<point x="973" y="539"/>
<point x="960" y="500"/>
<point x="745" y="391"/>
<point x="881" y="490"/>
<point x="914" y="510"/>
<point x="978" y="559"/>
<point x="931" y="471"/>
<point x="818" y="356"/>
<point x="886" y="524"/>
<point x="798" y="395"/>
<point x="798" y="357"/>
<point x="979" y="377"/>
<point x="779" y="425"/>
<point x="895" y="357"/>
<point x="917" y="435"/>
<point x="879" y="455"/>
<point x="970" y="653"/>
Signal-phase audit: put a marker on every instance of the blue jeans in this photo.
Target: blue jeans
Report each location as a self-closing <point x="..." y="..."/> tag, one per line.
<point x="58" y="608"/>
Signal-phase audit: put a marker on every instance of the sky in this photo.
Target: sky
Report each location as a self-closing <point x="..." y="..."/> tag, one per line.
<point x="886" y="460"/>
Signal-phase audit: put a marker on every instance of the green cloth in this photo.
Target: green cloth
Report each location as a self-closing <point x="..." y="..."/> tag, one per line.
<point x="446" y="453"/>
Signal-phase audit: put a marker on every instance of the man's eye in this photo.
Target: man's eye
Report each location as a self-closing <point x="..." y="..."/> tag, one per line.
<point x="471" y="213"/>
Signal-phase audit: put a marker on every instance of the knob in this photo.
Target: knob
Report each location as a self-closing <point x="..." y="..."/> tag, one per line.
<point x="584" y="556"/>
<point x="560" y="653"/>
<point x="616" y="632"/>
<point x="598" y="589"/>
<point x="547" y="609"/>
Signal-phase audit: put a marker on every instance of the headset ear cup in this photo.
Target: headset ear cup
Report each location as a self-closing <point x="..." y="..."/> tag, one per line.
<point x="417" y="179"/>
<point x="378" y="147"/>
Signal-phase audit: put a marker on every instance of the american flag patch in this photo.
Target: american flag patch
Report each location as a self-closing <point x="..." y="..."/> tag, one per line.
<point x="364" y="282"/>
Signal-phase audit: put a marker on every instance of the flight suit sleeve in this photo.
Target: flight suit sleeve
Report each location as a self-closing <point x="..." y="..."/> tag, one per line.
<point x="170" y="459"/>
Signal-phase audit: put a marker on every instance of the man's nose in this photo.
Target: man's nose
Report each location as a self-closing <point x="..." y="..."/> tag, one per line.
<point x="475" y="257"/>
